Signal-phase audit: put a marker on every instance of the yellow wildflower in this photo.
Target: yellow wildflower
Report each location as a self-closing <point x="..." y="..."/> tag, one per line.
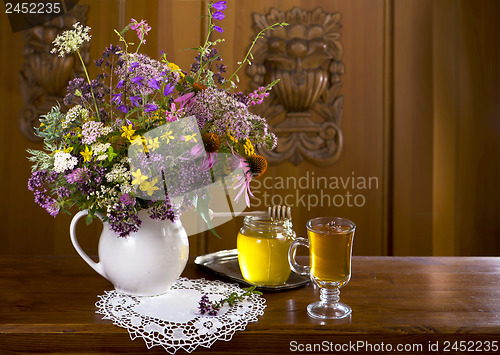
<point x="249" y="150"/>
<point x="176" y="68"/>
<point x="231" y="137"/>
<point x="138" y="177"/>
<point x="87" y="153"/>
<point x="128" y="131"/>
<point x="149" y="187"/>
<point x="167" y="136"/>
<point x="153" y="144"/>
<point x="136" y="140"/>
<point x="190" y="137"/>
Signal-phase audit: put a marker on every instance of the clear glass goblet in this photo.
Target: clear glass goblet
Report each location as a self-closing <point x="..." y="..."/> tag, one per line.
<point x="330" y="251"/>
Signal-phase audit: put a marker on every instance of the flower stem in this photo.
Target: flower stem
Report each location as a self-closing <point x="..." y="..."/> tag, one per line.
<point x="249" y="52"/>
<point x="205" y="46"/>
<point x="90" y="84"/>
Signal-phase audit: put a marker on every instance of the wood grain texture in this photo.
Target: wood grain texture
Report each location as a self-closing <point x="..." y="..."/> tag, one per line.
<point x="421" y="112"/>
<point x="47" y="305"/>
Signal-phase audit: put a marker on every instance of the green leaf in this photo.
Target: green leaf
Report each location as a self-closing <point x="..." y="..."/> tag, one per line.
<point x="179" y="87"/>
<point x="89" y="219"/>
<point x="203" y="210"/>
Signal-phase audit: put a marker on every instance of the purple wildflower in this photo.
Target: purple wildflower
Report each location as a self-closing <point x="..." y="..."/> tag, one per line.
<point x="218" y="15"/>
<point x="205" y="306"/>
<point x="37" y="179"/>
<point x="135" y="100"/>
<point x="77" y="176"/>
<point x="218" y="29"/>
<point x="111" y="52"/>
<point x="219" y="5"/>
<point x="153" y="84"/>
<point x="150" y="107"/>
<point x="169" y="88"/>
<point x="117" y="98"/>
<point x="147" y="69"/>
<point x="163" y="211"/>
<point x="137" y="80"/>
<point x="52" y="207"/>
<point x="123" y="108"/>
<point x="123" y="219"/>
<point x="127" y="199"/>
<point x="63" y="192"/>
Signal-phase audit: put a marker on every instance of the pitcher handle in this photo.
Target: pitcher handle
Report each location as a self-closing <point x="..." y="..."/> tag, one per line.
<point x="72" y="230"/>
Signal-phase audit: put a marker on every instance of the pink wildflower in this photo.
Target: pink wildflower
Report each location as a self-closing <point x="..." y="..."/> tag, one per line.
<point x="142" y="28"/>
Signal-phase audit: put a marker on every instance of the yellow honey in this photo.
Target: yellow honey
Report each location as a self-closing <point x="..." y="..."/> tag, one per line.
<point x="263" y="251"/>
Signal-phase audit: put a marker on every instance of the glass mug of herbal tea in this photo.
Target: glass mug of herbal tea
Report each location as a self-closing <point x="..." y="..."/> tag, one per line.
<point x="330" y="251"/>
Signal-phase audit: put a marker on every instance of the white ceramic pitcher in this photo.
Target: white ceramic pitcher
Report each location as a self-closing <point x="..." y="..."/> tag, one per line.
<point x="145" y="263"/>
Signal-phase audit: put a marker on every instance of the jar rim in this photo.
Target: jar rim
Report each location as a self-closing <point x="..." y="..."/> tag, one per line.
<point x="312" y="225"/>
<point x="264" y="222"/>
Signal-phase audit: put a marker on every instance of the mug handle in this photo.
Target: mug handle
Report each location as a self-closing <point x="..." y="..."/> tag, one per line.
<point x="299" y="269"/>
<point x="72" y="231"/>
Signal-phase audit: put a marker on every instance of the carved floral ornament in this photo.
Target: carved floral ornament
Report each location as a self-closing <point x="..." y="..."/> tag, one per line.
<point x="305" y="108"/>
<point x="44" y="76"/>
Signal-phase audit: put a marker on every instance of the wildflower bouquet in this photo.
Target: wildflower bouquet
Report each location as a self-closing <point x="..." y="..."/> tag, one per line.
<point x="146" y="134"/>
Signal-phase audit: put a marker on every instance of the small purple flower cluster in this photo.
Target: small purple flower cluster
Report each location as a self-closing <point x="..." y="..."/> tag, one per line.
<point x="210" y="104"/>
<point x="224" y="112"/>
<point x="221" y="68"/>
<point x="78" y="176"/>
<point x="205" y="306"/>
<point x="91" y="130"/>
<point x="123" y="219"/>
<point x="142" y="77"/>
<point x="87" y="180"/>
<point x="36" y="184"/>
<point x="163" y="211"/>
<point x="108" y="58"/>
<point x="84" y="97"/>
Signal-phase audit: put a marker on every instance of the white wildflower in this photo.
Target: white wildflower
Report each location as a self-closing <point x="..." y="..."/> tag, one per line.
<point x="64" y="161"/>
<point x="75" y="113"/>
<point x="99" y="148"/>
<point x="119" y="173"/>
<point x="70" y="41"/>
<point x="106" y="130"/>
<point x="126" y="188"/>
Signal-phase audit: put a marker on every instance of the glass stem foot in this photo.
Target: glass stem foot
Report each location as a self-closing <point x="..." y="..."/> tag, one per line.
<point x="329" y="306"/>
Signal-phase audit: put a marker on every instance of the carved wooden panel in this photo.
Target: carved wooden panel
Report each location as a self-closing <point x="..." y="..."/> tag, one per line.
<point x="44" y="76"/>
<point x="307" y="58"/>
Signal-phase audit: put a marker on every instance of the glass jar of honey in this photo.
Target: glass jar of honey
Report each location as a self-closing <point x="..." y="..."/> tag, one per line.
<point x="263" y="250"/>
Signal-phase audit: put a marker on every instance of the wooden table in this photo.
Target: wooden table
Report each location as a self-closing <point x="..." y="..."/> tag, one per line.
<point x="47" y="305"/>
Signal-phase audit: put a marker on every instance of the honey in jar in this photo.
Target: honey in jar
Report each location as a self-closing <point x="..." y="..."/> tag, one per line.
<point x="263" y="250"/>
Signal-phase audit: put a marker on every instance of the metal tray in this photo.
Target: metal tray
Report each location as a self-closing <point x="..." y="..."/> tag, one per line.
<point x="225" y="263"/>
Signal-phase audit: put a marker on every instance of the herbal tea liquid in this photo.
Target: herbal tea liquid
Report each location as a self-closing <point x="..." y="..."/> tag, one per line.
<point x="330" y="256"/>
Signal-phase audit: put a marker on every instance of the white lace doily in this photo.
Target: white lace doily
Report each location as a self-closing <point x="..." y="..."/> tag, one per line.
<point x="173" y="320"/>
